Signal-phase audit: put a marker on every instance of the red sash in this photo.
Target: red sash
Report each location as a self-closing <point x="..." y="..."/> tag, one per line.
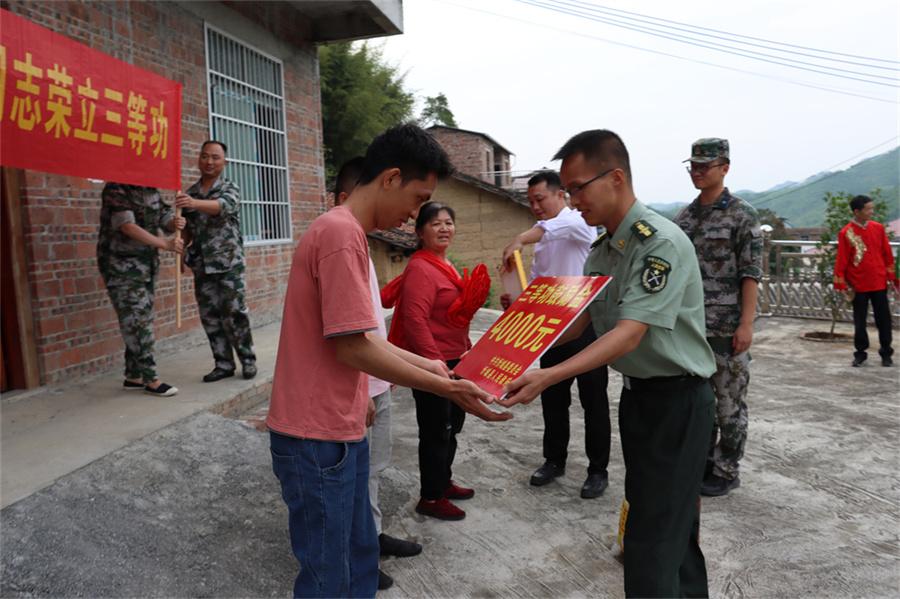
<point x="473" y="290"/>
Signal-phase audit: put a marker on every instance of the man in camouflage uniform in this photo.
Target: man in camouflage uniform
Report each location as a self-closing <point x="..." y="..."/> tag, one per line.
<point x="127" y="255"/>
<point x="725" y="231"/>
<point x="216" y="255"/>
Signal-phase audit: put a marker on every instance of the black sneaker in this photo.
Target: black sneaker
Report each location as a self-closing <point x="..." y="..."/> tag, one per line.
<point x="131" y="386"/>
<point x="384" y="581"/>
<point x="716" y="486"/>
<point x="217" y="374"/>
<point x="397" y="547"/>
<point x="546" y="473"/>
<point x="163" y="390"/>
<point x="857" y="362"/>
<point x="886" y="361"/>
<point x="594" y="485"/>
<point x="249" y="371"/>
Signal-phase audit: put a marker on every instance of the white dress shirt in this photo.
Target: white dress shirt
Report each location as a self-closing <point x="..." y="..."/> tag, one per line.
<point x="564" y="247"/>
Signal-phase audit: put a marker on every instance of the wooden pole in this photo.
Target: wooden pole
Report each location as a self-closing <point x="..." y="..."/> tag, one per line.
<point x="178" y="258"/>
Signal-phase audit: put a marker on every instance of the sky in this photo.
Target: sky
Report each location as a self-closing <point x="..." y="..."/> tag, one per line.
<point x="532" y="76"/>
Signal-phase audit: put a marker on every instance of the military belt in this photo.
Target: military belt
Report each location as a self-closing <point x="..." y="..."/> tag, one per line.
<point x="662" y="383"/>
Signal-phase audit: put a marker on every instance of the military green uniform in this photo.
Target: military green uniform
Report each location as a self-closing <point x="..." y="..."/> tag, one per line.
<point x="666" y="409"/>
<point x="129" y="268"/>
<point x="729" y="246"/>
<point x="216" y="255"/>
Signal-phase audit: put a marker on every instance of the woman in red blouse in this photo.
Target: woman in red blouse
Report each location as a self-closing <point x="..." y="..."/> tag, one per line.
<point x="434" y="306"/>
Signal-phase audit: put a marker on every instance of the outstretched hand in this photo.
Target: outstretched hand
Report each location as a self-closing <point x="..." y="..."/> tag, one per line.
<point x="473" y="399"/>
<point x="524" y="389"/>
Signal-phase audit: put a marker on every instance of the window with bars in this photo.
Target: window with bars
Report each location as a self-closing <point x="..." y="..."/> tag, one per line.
<point x="246" y="112"/>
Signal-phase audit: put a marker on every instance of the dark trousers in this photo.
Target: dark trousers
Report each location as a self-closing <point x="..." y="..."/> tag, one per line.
<point x="881" y="310"/>
<point x="665" y="427"/>
<point x="440" y="420"/>
<point x="555" y="402"/>
<point x="325" y="485"/>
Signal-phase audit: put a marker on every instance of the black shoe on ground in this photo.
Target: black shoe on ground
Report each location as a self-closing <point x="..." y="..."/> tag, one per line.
<point x="857" y="362"/>
<point x="384" y="581"/>
<point x="546" y="473"/>
<point x="397" y="547"/>
<point x="217" y="374"/>
<point x="886" y="361"/>
<point x="716" y="486"/>
<point x="249" y="371"/>
<point x="132" y="386"/>
<point x="594" y="485"/>
<point x="161" y="390"/>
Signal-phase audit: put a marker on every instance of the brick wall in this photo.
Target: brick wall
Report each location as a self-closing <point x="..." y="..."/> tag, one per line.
<point x="470" y="154"/>
<point x="485" y="223"/>
<point x="76" y="329"/>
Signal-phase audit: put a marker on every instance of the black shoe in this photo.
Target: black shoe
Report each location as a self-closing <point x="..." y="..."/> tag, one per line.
<point x="398" y="547"/>
<point x="131" y="386"/>
<point x="857" y="362"/>
<point x="384" y="581"/>
<point x="886" y="361"/>
<point x="594" y="485"/>
<point x="546" y="473"/>
<point x="162" y="390"/>
<point x="716" y="486"/>
<point x="217" y="374"/>
<point x="249" y="371"/>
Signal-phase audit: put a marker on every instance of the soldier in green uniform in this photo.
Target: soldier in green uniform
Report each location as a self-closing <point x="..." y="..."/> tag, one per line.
<point x="726" y="235"/>
<point x="216" y="255"/>
<point x="650" y="327"/>
<point x="127" y="255"/>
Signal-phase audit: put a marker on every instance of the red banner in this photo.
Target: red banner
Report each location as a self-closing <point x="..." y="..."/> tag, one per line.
<point x="66" y="108"/>
<point x="528" y="328"/>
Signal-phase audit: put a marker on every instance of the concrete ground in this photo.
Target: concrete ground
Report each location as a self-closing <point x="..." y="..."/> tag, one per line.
<point x="193" y="510"/>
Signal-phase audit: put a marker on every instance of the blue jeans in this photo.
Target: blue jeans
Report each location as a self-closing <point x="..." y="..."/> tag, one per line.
<point x="325" y="486"/>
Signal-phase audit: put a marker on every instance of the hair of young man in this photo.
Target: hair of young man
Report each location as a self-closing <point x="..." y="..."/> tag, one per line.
<point x="347" y="177"/>
<point x="859" y="202"/>
<point x="409" y="148"/>
<point x="213" y="141"/>
<point x="551" y="178"/>
<point x="598" y="146"/>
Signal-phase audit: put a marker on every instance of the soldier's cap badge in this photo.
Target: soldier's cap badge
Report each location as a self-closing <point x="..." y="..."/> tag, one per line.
<point x="655" y="274"/>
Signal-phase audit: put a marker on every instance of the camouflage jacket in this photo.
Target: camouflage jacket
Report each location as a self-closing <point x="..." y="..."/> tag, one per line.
<point x="122" y="259"/>
<point x="217" y="244"/>
<point x="729" y="245"/>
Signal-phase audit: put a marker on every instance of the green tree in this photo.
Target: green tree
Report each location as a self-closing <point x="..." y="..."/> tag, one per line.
<point x="437" y="112"/>
<point x="838" y="214"/>
<point x="362" y="95"/>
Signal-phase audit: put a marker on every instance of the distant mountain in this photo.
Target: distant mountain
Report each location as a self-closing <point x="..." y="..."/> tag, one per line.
<point x="801" y="203"/>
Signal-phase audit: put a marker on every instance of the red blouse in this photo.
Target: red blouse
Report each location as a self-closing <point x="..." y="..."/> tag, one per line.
<point x="427" y="293"/>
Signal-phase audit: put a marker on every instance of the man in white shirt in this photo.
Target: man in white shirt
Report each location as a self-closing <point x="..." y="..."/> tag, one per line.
<point x="562" y="241"/>
<point x="379" y="417"/>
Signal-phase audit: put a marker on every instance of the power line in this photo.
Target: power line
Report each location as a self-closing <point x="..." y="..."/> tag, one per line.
<point x="670" y="55"/>
<point x="828" y="176"/>
<point x="726" y="36"/>
<point x="749" y="37"/>
<point x="737" y="52"/>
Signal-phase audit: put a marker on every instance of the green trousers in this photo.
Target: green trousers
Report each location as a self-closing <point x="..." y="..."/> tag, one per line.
<point x="665" y="426"/>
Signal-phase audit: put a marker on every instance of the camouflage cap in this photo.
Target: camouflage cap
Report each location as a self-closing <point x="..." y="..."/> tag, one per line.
<point x="708" y="149"/>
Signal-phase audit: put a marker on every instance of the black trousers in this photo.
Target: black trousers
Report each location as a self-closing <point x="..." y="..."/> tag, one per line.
<point x="665" y="424"/>
<point x="440" y="420"/>
<point x="555" y="402"/>
<point x="881" y="310"/>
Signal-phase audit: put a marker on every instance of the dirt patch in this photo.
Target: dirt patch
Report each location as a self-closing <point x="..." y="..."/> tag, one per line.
<point x="826" y="337"/>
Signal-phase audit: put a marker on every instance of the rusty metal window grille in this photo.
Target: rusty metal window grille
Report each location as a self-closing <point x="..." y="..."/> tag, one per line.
<point x="246" y="112"/>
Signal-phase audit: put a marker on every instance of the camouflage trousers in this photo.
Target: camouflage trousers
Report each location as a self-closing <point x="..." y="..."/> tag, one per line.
<point x="225" y="318"/>
<point x="133" y="303"/>
<point x="729" y="434"/>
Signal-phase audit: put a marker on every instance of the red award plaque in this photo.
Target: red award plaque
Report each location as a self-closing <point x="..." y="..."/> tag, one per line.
<point x="526" y="330"/>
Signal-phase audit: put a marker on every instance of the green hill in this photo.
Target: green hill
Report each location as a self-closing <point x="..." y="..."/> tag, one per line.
<point x="801" y="203"/>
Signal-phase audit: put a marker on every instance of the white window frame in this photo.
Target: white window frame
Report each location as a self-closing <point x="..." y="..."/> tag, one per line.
<point x="286" y="168"/>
